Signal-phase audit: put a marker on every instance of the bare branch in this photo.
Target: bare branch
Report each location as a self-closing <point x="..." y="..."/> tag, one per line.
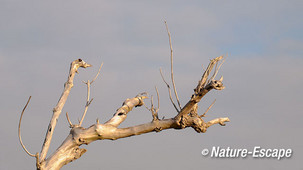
<point x="69" y="122"/>
<point x="203" y="115"/>
<point x="127" y="106"/>
<point x="87" y="102"/>
<point x="79" y="136"/>
<point x="97" y="73"/>
<point x="158" y="97"/>
<point x="88" y="83"/>
<point x="220" y="121"/>
<point x="187" y="116"/>
<point x="201" y="90"/>
<point x="153" y="110"/>
<point x="169" y="91"/>
<point x="204" y="78"/>
<point x="171" y="66"/>
<point x="217" y="69"/>
<point x="57" y="110"/>
<point x="19" y="129"/>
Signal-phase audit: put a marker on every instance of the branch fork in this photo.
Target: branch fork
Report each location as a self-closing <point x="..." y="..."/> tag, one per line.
<point x="187" y="116"/>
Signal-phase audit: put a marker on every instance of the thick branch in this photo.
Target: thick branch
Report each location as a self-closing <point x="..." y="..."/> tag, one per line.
<point x="70" y="151"/>
<point x="126" y="107"/>
<point x="57" y="110"/>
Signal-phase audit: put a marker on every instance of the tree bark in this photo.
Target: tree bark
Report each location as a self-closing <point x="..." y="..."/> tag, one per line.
<point x="188" y="117"/>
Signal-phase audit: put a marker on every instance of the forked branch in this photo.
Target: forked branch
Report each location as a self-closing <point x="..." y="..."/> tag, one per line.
<point x="201" y="90"/>
<point x="88" y="102"/>
<point x="187" y="116"/>
<point x="169" y="92"/>
<point x="57" y="110"/>
<point x="171" y="66"/>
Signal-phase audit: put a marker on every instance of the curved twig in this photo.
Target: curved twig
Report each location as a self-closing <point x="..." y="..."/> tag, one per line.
<point x="69" y="122"/>
<point x="169" y="91"/>
<point x="19" y="129"/>
<point x="171" y="66"/>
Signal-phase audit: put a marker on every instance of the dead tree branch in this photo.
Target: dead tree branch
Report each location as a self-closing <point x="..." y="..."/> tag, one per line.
<point x="203" y="115"/>
<point x="88" y="102"/>
<point x="68" y="120"/>
<point x="57" y="110"/>
<point x="201" y="90"/>
<point x="70" y="149"/>
<point x="171" y="66"/>
<point x="169" y="92"/>
<point x="126" y="107"/>
<point x="186" y="116"/>
<point x="19" y="129"/>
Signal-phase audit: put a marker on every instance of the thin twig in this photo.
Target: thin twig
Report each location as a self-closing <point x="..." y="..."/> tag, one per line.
<point x="88" y="83"/>
<point x="97" y="73"/>
<point x="87" y="102"/>
<point x="153" y="110"/>
<point x="158" y="97"/>
<point x="146" y="107"/>
<point x="152" y="104"/>
<point x="204" y="80"/>
<point x="19" y="129"/>
<point x="217" y="69"/>
<point x="203" y="68"/>
<point x="169" y="91"/>
<point x="171" y="65"/>
<point x="70" y="123"/>
<point x="203" y="115"/>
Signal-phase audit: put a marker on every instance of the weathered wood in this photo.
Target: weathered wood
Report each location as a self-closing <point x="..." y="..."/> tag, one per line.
<point x="186" y="116"/>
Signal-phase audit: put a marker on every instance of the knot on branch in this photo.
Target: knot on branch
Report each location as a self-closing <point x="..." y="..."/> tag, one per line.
<point x="158" y="129"/>
<point x="75" y="132"/>
<point x="199" y="125"/>
<point x="81" y="63"/>
<point x="217" y="84"/>
<point x="194" y="111"/>
<point x="78" y="152"/>
<point x="183" y="122"/>
<point x="141" y="97"/>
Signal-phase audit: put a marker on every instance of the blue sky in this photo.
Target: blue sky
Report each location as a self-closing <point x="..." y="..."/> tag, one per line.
<point x="262" y="75"/>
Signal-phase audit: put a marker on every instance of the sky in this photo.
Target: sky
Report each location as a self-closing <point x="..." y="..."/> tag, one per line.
<point x="262" y="75"/>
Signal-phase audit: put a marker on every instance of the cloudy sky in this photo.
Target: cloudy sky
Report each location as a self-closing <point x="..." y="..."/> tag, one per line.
<point x="262" y="75"/>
